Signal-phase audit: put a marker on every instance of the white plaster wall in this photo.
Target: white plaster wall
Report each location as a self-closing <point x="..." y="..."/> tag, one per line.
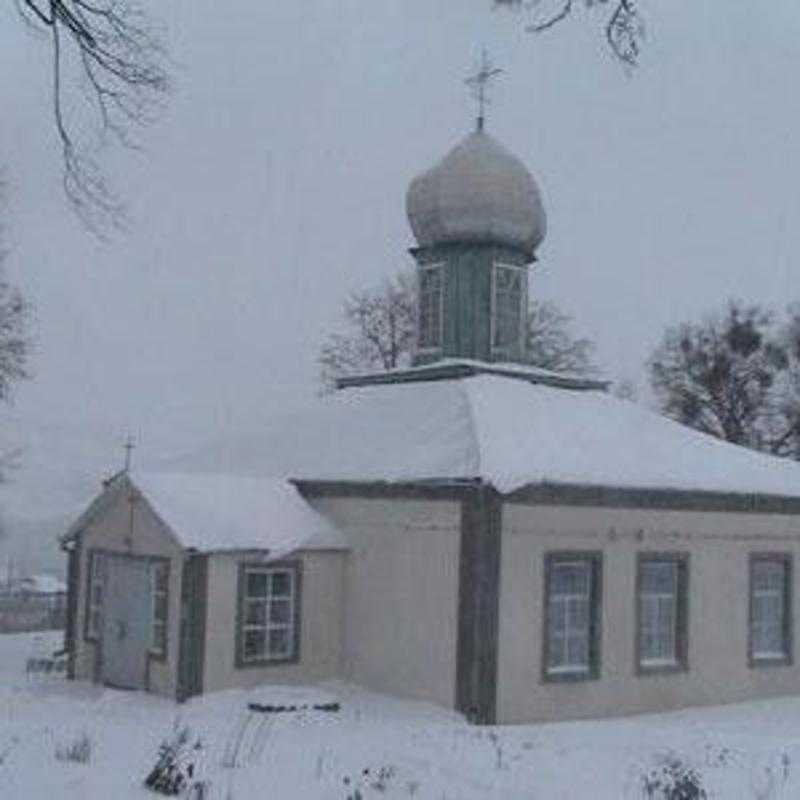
<point x="320" y="628"/>
<point x="137" y="533"/>
<point x="718" y="545"/>
<point x="401" y="599"/>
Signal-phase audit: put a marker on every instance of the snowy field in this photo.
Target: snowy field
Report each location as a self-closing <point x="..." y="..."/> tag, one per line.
<point x="408" y="749"/>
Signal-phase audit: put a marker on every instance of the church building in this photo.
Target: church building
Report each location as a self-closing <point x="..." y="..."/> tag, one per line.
<point x="509" y="542"/>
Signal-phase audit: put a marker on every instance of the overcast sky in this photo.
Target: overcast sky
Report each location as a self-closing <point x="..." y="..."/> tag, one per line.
<point x="275" y="181"/>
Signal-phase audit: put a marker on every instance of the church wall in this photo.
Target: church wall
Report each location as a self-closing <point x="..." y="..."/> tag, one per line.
<point x="718" y="546"/>
<point x="320" y="623"/>
<point x="401" y="600"/>
<point x="139" y="534"/>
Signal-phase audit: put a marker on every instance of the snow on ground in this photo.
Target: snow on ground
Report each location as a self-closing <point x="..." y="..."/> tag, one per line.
<point x="411" y="750"/>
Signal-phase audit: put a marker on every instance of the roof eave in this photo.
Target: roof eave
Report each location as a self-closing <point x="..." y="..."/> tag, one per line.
<point x="455" y="369"/>
<point x="654" y="498"/>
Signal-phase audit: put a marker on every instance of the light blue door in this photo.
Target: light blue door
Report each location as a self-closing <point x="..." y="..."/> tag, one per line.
<point x="127" y="620"/>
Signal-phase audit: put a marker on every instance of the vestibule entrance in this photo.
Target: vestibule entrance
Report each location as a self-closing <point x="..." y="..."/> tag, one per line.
<point x="126" y="628"/>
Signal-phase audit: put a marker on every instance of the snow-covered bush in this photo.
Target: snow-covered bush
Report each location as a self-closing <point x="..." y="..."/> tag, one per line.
<point x="673" y="779"/>
<point x="378" y="780"/>
<point x="178" y="768"/>
<point x="78" y="750"/>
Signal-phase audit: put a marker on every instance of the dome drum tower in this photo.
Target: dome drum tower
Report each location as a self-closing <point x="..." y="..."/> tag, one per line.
<point x="472" y="302"/>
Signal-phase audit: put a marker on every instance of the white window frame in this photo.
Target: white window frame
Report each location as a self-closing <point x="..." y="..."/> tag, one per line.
<point x="783" y="595"/>
<point x="95" y="588"/>
<point x="290" y="626"/>
<point x="437" y="347"/>
<point x="671" y="644"/>
<point x="510" y="348"/>
<point x="563" y="669"/>
<point x="159" y="625"/>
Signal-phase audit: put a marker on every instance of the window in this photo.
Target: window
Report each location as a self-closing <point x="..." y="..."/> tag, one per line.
<point x="770" y="608"/>
<point x="661" y="611"/>
<point x="431" y="307"/>
<point x="508" y="296"/>
<point x="94" y="594"/>
<point x="159" y="575"/>
<point x="572" y="600"/>
<point x="269" y="614"/>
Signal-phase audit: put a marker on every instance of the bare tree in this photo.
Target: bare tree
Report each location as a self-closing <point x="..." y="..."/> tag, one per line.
<point x="782" y="417"/>
<point x="110" y="50"/>
<point x="381" y="326"/>
<point x="381" y="333"/>
<point x="551" y="344"/>
<point x="734" y="376"/>
<point x="14" y="342"/>
<point x="624" y="27"/>
<point x="15" y="347"/>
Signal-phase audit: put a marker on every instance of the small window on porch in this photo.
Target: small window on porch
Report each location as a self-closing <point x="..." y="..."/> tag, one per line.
<point x="268" y="614"/>
<point x="159" y="573"/>
<point x="95" y="590"/>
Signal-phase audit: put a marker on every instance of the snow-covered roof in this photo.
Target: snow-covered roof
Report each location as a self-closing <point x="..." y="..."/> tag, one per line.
<point x="501" y="429"/>
<point x="222" y="512"/>
<point x="214" y="512"/>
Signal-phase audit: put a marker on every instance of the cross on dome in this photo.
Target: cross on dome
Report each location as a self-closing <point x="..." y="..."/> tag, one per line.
<point x="129" y="448"/>
<point x="479" y="83"/>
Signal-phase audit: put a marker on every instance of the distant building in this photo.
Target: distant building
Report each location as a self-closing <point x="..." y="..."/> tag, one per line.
<point x="513" y="543"/>
<point x="32" y="603"/>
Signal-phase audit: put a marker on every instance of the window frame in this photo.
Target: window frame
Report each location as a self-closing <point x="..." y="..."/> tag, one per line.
<point x="511" y="349"/>
<point x="439" y="267"/>
<point x="787" y="659"/>
<point x="594" y="559"/>
<point x="93" y="556"/>
<point x="155" y="564"/>
<point x="681" y="661"/>
<point x="247" y="567"/>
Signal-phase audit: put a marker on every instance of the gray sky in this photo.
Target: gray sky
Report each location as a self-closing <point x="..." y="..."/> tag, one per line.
<point x="274" y="184"/>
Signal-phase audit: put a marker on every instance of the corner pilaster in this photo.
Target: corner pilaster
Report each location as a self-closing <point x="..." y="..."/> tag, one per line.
<point x="479" y="604"/>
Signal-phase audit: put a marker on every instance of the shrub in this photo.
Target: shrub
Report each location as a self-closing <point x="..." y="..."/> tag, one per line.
<point x="378" y="780"/>
<point x="177" y="768"/>
<point x="673" y="779"/>
<point x="79" y="750"/>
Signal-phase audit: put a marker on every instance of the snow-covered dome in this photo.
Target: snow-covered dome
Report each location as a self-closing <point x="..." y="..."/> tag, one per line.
<point x="479" y="192"/>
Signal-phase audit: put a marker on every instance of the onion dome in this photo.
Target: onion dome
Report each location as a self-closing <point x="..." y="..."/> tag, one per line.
<point x="479" y="192"/>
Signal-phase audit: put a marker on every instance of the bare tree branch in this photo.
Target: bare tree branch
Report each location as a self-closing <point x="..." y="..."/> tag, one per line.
<point x="624" y="29"/>
<point x="553" y="20"/>
<point x="110" y="49"/>
<point x="624" y="32"/>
